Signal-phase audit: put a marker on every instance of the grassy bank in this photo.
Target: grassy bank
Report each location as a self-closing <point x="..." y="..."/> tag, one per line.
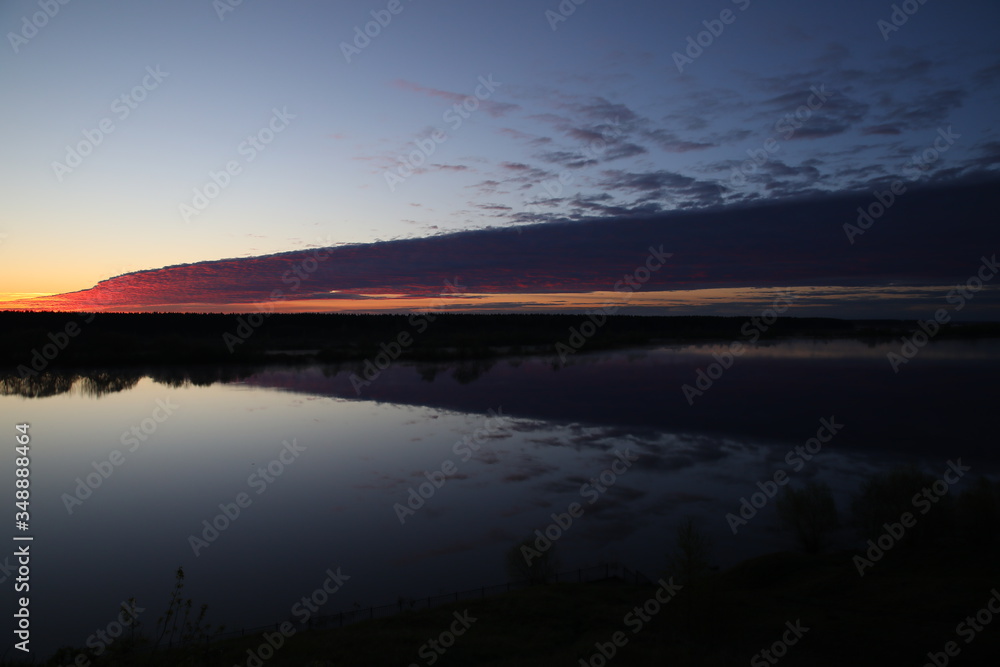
<point x="905" y="606"/>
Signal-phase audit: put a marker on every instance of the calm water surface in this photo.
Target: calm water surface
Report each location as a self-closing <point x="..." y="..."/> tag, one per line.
<point x="326" y="472"/>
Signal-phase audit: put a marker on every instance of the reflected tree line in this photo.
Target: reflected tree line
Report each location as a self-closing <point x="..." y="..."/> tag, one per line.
<point x="102" y="382"/>
<point x="98" y="383"/>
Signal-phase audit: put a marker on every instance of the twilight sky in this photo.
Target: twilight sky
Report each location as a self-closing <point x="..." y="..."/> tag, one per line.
<point x="140" y="135"/>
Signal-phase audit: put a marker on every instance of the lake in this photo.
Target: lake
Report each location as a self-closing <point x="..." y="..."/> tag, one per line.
<point x="263" y="482"/>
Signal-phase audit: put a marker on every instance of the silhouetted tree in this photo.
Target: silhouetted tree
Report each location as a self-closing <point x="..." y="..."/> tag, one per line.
<point x="884" y="498"/>
<point x="689" y="561"/>
<point x="809" y="513"/>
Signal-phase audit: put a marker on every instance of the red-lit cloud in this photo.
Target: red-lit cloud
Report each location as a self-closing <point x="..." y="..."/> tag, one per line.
<point x="798" y="243"/>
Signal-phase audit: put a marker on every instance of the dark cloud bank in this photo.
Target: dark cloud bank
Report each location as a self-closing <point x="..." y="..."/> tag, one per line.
<point x="933" y="235"/>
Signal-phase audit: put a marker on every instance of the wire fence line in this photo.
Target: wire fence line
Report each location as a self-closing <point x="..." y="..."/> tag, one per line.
<point x="612" y="571"/>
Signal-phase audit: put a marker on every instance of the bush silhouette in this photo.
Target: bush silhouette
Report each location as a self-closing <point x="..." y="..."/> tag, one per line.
<point x="885" y="497"/>
<point x="525" y="563"/>
<point x="809" y="514"/>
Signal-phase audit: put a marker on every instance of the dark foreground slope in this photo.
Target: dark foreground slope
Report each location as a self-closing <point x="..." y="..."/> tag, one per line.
<point x="905" y="607"/>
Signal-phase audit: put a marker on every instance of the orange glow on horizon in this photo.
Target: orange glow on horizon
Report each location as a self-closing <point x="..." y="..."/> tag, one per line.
<point x="736" y="299"/>
<point x="465" y="302"/>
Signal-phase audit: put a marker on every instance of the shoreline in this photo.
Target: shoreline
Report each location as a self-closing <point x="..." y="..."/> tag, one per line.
<point x="31" y="343"/>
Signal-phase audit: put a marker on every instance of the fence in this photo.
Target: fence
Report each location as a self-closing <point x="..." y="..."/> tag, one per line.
<point x="597" y="573"/>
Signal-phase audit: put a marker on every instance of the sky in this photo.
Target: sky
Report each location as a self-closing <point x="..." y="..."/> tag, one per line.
<point x="142" y="135"/>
